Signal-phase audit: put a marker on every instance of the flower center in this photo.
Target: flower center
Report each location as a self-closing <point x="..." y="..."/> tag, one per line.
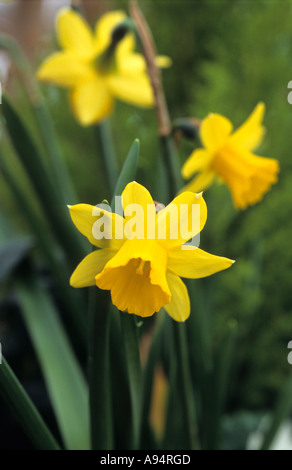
<point x="106" y="61"/>
<point x="143" y="268"/>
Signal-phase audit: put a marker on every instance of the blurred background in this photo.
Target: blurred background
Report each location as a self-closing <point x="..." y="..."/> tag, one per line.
<point x="227" y="56"/>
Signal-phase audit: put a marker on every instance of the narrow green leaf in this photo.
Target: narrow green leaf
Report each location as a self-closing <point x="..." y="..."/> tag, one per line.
<point x="24" y="410"/>
<point x="59" y="268"/>
<point x="281" y="412"/>
<point x="129" y="170"/>
<point x="63" y="376"/>
<point x="218" y="386"/>
<point x="43" y="119"/>
<point x="55" y="210"/>
<point x="99" y="371"/>
<point x="107" y="153"/>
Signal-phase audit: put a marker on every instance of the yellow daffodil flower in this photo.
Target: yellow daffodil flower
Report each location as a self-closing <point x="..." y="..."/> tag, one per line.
<point x="143" y="273"/>
<point x="97" y="67"/>
<point x="229" y="156"/>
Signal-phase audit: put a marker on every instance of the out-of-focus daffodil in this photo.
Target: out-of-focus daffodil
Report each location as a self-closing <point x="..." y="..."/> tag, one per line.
<point x="229" y="156"/>
<point x="144" y="273"/>
<point x="98" y="66"/>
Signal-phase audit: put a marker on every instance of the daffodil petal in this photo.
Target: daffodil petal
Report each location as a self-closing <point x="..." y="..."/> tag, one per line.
<point x="131" y="64"/>
<point x="214" y="131"/>
<point x="74" y="34"/>
<point x="179" y="307"/>
<point x="200" y="182"/>
<point x="86" y="271"/>
<point x="163" y="61"/>
<point x="91" y="101"/>
<point x="182" y="219"/>
<point x="135" y="193"/>
<point x="132" y="89"/>
<point x="196" y="263"/>
<point x="85" y="216"/>
<point x="63" y="69"/>
<point x="250" y="134"/>
<point x="104" y="28"/>
<point x="198" y="160"/>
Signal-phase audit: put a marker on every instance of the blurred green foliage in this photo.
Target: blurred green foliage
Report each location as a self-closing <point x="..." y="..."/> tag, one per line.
<point x="227" y="56"/>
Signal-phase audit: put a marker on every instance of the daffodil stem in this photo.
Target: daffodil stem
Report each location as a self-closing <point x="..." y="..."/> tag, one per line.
<point x="98" y="371"/>
<point x="107" y="153"/>
<point x="184" y="382"/>
<point x="131" y="344"/>
<point x="148" y="376"/>
<point x="24" y="410"/>
<point x="171" y="164"/>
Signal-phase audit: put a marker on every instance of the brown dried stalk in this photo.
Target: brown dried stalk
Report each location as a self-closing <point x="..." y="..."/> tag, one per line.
<point x="149" y="50"/>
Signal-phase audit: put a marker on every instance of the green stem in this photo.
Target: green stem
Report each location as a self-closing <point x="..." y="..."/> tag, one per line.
<point x="180" y="336"/>
<point x="24" y="409"/>
<point x="171" y="164"/>
<point x="184" y="383"/>
<point x="98" y="371"/>
<point x="148" y="376"/>
<point x="108" y="154"/>
<point x="131" y="345"/>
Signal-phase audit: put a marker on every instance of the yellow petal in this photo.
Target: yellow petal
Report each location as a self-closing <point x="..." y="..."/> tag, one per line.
<point x="134" y="89"/>
<point x="198" y="160"/>
<point x="63" y="69"/>
<point x="134" y="63"/>
<point x="74" y="34"/>
<point x="130" y="64"/>
<point x="251" y="190"/>
<point x="104" y="28"/>
<point x="85" y="273"/>
<point x="135" y="193"/>
<point x="91" y="101"/>
<point x="179" y="307"/>
<point x="214" y="131"/>
<point x="163" y="61"/>
<point x="196" y="263"/>
<point x="249" y="135"/>
<point x="84" y="216"/>
<point x="177" y="218"/>
<point x="248" y="176"/>
<point x="201" y="182"/>
<point x="136" y="277"/>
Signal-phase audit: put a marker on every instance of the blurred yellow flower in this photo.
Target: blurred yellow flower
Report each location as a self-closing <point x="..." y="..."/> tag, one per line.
<point x="143" y="272"/>
<point x="229" y="156"/>
<point x="98" y="67"/>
